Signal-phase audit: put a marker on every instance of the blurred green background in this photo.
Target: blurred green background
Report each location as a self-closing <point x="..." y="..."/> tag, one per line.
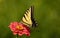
<point x="46" y="13"/>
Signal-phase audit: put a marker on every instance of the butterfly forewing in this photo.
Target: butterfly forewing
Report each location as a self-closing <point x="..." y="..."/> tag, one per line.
<point x="27" y="18"/>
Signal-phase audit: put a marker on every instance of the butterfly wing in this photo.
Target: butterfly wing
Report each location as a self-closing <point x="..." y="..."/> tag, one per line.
<point x="28" y="18"/>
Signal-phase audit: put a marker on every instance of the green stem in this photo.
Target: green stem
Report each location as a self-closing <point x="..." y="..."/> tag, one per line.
<point x="16" y="36"/>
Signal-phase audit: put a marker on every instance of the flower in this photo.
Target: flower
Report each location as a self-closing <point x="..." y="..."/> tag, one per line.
<point x="19" y="29"/>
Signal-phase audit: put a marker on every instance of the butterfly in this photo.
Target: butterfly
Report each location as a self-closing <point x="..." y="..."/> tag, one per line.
<point x="28" y="18"/>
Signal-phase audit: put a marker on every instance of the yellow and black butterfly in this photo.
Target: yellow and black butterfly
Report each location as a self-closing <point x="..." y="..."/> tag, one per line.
<point x="28" y="18"/>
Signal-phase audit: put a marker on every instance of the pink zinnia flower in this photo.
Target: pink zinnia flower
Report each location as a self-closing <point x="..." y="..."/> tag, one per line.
<point x="19" y="28"/>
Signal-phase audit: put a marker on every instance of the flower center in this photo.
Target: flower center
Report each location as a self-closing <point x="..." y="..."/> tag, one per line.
<point x="19" y="27"/>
